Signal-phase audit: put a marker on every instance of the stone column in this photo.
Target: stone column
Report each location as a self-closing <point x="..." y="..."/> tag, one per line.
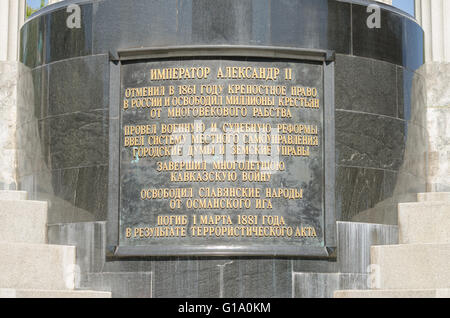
<point x="432" y="15"/>
<point x="12" y="16"/>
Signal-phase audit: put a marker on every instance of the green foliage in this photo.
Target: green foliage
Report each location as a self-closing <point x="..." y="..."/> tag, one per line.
<point x="30" y="11"/>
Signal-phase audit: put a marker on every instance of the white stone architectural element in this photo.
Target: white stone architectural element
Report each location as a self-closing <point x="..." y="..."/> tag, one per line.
<point x="418" y="266"/>
<point x="424" y="222"/>
<point x="29" y="267"/>
<point x="8" y="122"/>
<point x="438" y="124"/>
<point x="433" y="17"/>
<point x="12" y="16"/>
<point x="15" y="215"/>
<point x="394" y="293"/>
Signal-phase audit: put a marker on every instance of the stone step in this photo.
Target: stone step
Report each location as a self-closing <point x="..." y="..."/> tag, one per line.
<point x="433" y="196"/>
<point x="424" y="222"/>
<point x="36" y="293"/>
<point x="412" y="266"/>
<point x="37" y="266"/>
<point x="23" y="221"/>
<point x="398" y="293"/>
<point x="13" y="195"/>
<point x="322" y="285"/>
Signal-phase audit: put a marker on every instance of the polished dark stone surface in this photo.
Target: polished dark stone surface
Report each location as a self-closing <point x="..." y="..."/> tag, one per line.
<point x="32" y="42"/>
<point x="64" y="42"/>
<point x="220" y="22"/>
<point x="261" y="278"/>
<point x="329" y="283"/>
<point x="64" y="130"/>
<point x="77" y="139"/>
<point x="384" y="43"/>
<point x="40" y="89"/>
<point x="86" y="91"/>
<point x="411" y="95"/>
<point x="318" y="24"/>
<point x="361" y="189"/>
<point x="413" y="50"/>
<point x="122" y="285"/>
<point x="373" y="97"/>
<point x="137" y="23"/>
<point x="339" y="30"/>
<point x="366" y="85"/>
<point x="219" y="277"/>
<point x="372" y="141"/>
<point x="187" y="278"/>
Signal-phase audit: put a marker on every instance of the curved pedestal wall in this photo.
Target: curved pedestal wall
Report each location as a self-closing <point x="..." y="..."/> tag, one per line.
<point x="63" y="110"/>
<point x="379" y="97"/>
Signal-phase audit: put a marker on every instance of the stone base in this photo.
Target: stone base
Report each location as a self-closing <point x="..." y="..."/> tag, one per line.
<point x="405" y="293"/>
<point x="30" y="268"/>
<point x="34" y="293"/>
<point x="8" y="122"/>
<point x="23" y="221"/>
<point x="37" y="266"/>
<point x="123" y="285"/>
<point x="434" y="196"/>
<point x="322" y="285"/>
<point x="239" y="277"/>
<point x="13" y="195"/>
<point x="415" y="266"/>
<point x="424" y="222"/>
<point x="438" y="119"/>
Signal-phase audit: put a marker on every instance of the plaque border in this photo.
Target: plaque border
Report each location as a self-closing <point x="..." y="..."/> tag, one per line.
<point x="328" y="250"/>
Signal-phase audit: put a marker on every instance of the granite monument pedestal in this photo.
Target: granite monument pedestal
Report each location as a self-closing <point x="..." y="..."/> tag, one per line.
<point x="370" y="152"/>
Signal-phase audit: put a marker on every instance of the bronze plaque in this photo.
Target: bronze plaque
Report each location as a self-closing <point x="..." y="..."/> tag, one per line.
<point x="221" y="155"/>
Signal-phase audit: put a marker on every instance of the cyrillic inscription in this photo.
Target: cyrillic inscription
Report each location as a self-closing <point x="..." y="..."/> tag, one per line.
<point x="221" y="152"/>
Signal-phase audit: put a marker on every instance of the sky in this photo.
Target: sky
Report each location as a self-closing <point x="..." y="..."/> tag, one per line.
<point x="406" y="5"/>
<point x="35" y="3"/>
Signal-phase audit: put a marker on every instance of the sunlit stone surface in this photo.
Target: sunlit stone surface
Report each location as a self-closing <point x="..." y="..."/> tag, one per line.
<point x="8" y="114"/>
